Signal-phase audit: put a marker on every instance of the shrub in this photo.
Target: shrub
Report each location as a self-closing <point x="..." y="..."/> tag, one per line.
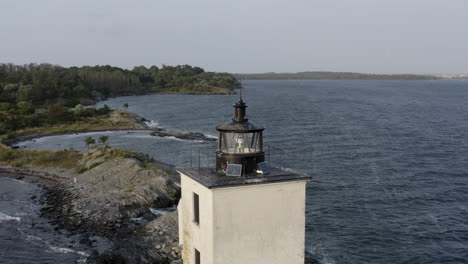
<point x="7" y="154"/>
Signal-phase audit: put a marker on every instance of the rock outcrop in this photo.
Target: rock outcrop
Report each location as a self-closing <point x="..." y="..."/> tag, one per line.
<point x="114" y="193"/>
<point x="128" y="119"/>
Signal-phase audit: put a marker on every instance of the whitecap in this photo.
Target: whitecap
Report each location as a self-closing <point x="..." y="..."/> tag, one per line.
<point x="210" y="136"/>
<point x="67" y="251"/>
<point x="51" y="248"/>
<point x="173" y="138"/>
<point x="185" y="140"/>
<point x="18" y="181"/>
<point x="152" y="123"/>
<point x="4" y="217"/>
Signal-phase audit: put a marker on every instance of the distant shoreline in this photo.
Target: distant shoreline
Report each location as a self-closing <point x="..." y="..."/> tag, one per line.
<point x="344" y="76"/>
<point x="455" y="80"/>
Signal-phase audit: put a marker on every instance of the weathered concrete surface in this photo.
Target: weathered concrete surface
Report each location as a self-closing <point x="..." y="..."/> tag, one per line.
<point x="248" y="224"/>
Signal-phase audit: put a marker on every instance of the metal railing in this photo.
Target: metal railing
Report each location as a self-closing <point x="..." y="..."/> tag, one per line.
<point x="205" y="156"/>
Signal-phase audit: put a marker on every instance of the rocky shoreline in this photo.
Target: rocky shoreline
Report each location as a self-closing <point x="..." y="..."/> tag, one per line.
<point x="133" y="122"/>
<point x="138" y="235"/>
<point x="181" y="134"/>
<point x="113" y="198"/>
<point x="124" y="196"/>
<point x="118" y="120"/>
<point x="19" y="139"/>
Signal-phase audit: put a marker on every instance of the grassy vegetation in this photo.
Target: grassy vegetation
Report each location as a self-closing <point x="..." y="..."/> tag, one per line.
<point x="39" y="158"/>
<point x="97" y="155"/>
<point x="72" y="159"/>
<point x="96" y="123"/>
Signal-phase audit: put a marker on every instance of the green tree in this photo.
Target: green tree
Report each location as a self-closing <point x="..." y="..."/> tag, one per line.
<point x="103" y="139"/>
<point x="25" y="108"/>
<point x="35" y="95"/>
<point x="24" y="93"/>
<point x="90" y="141"/>
<point x="58" y="112"/>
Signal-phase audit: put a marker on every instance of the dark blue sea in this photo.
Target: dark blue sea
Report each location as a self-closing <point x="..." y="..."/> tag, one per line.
<point x="389" y="159"/>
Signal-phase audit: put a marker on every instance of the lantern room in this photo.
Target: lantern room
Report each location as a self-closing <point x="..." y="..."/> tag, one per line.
<point x="240" y="142"/>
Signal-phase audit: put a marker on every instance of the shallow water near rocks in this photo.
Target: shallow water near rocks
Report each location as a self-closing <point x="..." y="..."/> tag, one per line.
<point x="25" y="237"/>
<point x="389" y="159"/>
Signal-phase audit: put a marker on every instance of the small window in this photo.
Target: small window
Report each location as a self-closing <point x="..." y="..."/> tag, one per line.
<point x="197" y="257"/>
<point x="196" y="208"/>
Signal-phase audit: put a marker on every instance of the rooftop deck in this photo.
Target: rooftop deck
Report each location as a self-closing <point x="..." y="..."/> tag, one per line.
<point x="210" y="179"/>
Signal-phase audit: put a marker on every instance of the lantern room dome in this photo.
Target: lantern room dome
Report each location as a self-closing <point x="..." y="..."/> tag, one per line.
<point x="240" y="123"/>
<point x="240" y="143"/>
<point x="245" y="127"/>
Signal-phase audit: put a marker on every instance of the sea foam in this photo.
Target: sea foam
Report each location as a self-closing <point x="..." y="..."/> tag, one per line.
<point x="152" y="123"/>
<point x="4" y="217"/>
<point x="67" y="251"/>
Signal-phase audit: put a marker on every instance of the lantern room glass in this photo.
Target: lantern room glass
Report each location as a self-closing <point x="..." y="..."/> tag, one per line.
<point x="240" y="143"/>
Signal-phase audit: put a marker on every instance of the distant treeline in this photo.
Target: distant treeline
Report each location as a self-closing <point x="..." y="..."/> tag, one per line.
<point x="316" y="75"/>
<point x="38" y="83"/>
<point x="37" y="95"/>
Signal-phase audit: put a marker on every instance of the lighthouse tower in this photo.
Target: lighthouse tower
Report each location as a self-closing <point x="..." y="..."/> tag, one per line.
<point x="241" y="211"/>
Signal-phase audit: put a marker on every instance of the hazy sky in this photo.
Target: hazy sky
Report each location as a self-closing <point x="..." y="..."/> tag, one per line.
<point x="380" y="36"/>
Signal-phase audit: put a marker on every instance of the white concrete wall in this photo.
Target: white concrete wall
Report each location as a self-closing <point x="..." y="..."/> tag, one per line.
<point x="260" y="224"/>
<point x="191" y="234"/>
<point x="252" y="224"/>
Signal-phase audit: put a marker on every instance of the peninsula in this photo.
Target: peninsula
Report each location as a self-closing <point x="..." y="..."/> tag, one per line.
<point x="41" y="99"/>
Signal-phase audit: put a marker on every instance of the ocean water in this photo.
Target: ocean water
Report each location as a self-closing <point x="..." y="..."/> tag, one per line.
<point x="27" y="238"/>
<point x="389" y="159"/>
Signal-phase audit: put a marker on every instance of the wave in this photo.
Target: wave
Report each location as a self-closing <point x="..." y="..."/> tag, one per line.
<point x="4" y="218"/>
<point x="179" y="139"/>
<point x="152" y="124"/>
<point x="210" y="136"/>
<point x="68" y="251"/>
<point x="83" y="255"/>
<point x="19" y="181"/>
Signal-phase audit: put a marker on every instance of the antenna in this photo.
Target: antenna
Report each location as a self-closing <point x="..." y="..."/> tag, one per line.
<point x="240" y="88"/>
<point x="240" y="93"/>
